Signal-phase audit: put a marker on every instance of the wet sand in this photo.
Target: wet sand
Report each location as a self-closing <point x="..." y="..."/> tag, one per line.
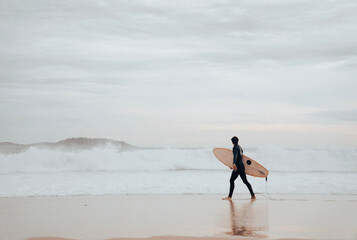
<point x="178" y="217"/>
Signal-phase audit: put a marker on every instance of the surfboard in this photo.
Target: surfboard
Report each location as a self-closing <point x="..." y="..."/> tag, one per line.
<point x="252" y="167"/>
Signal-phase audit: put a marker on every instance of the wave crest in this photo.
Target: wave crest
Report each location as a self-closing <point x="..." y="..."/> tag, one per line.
<point x="108" y="158"/>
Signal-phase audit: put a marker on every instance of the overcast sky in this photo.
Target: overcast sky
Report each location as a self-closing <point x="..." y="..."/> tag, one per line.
<point x="179" y="73"/>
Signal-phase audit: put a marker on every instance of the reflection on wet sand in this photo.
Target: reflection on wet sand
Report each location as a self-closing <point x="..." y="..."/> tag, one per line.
<point x="249" y="219"/>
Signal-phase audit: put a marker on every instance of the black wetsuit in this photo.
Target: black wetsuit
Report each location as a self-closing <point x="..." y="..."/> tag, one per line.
<point x="237" y="160"/>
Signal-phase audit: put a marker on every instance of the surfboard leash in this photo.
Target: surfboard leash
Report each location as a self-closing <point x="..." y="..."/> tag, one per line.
<point x="266" y="189"/>
<point x="267" y="196"/>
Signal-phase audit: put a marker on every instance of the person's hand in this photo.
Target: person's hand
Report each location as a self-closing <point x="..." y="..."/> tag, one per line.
<point x="234" y="167"/>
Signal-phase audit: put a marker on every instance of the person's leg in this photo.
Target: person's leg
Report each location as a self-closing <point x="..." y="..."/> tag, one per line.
<point x="231" y="181"/>
<point x="245" y="181"/>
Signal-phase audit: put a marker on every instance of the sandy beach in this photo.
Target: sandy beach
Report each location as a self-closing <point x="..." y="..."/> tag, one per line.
<point x="178" y="217"/>
<point x="123" y="120"/>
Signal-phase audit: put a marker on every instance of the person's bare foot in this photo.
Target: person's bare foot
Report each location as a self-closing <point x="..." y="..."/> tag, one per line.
<point x="253" y="197"/>
<point x="227" y="198"/>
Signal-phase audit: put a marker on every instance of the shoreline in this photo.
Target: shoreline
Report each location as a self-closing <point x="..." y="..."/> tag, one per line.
<point x="185" y="216"/>
<point x="238" y="196"/>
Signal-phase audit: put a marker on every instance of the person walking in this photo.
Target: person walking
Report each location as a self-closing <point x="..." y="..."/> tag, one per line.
<point x="238" y="169"/>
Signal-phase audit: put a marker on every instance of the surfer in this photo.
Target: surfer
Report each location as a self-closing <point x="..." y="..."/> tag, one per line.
<point x="238" y="169"/>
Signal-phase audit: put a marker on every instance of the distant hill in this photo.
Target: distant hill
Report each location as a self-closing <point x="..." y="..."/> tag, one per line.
<point x="69" y="144"/>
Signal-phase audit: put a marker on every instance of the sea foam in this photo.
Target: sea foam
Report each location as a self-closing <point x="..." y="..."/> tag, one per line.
<point x="106" y="170"/>
<point x="108" y="158"/>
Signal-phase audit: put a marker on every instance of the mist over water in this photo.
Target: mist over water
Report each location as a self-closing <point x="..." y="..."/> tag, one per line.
<point x="105" y="169"/>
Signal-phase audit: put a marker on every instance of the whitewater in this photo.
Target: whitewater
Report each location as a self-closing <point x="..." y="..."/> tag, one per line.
<point x="106" y="170"/>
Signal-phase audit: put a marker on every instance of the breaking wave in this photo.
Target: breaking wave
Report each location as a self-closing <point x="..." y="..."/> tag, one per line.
<point x="108" y="158"/>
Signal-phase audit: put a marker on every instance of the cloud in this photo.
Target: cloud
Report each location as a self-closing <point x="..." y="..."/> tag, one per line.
<point x="339" y="115"/>
<point x="174" y="63"/>
<point x="227" y="32"/>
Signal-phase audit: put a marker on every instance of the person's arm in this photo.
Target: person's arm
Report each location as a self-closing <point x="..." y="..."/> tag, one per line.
<point x="235" y="156"/>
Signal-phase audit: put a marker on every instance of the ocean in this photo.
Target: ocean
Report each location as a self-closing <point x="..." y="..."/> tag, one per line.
<point x="106" y="169"/>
